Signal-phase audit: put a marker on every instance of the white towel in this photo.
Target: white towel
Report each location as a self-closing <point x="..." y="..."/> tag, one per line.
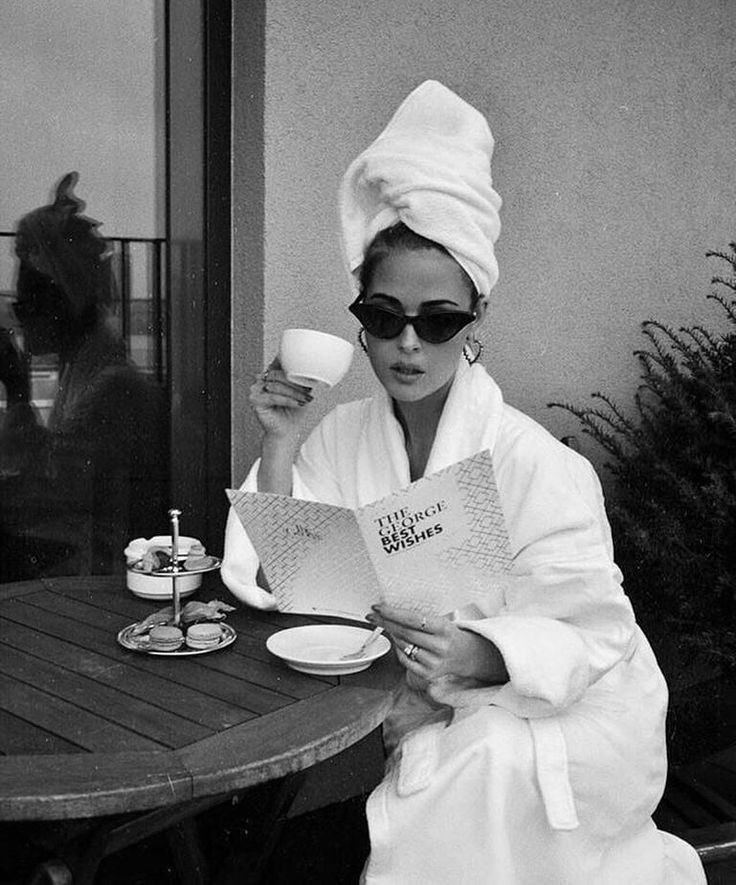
<point x="431" y="169"/>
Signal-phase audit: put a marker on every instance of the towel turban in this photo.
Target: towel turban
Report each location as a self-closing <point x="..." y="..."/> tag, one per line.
<point x="431" y="169"/>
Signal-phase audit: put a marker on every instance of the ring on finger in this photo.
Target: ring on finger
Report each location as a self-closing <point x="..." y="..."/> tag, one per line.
<point x="423" y="628"/>
<point x="264" y="376"/>
<point x="410" y="651"/>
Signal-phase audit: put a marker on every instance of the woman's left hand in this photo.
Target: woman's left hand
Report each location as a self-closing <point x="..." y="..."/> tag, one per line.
<point x="432" y="647"/>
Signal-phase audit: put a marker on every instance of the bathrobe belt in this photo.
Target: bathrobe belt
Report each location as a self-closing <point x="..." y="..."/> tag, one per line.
<point x="550" y="752"/>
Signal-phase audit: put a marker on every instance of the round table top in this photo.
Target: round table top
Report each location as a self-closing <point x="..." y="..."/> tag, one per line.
<point x="88" y="728"/>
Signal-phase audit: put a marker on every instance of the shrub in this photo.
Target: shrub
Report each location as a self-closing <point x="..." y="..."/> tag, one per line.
<point x="672" y="471"/>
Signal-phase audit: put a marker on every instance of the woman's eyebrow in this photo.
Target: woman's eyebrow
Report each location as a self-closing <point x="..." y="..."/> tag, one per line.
<point x="384" y="297"/>
<point x="436" y="302"/>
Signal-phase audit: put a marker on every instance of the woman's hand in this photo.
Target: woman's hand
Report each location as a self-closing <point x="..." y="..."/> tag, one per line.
<point x="279" y="404"/>
<point x="280" y="408"/>
<point x="431" y="647"/>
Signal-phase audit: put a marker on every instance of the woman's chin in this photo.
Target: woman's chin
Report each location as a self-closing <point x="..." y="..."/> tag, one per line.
<point x="418" y="390"/>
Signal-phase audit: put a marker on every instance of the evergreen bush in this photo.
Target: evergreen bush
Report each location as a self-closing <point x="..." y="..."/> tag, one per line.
<point x="672" y="501"/>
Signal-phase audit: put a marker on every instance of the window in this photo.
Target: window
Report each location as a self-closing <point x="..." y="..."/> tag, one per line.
<point x="110" y="440"/>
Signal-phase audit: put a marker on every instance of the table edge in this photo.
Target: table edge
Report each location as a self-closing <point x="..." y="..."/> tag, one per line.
<point x="166" y="777"/>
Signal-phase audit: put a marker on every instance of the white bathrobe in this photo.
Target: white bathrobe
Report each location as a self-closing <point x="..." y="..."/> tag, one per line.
<point x="553" y="777"/>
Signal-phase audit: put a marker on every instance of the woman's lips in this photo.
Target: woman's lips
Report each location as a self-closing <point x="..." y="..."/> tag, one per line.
<point x="406" y="373"/>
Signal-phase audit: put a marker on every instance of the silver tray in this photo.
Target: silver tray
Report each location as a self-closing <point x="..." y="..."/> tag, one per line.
<point x="128" y="640"/>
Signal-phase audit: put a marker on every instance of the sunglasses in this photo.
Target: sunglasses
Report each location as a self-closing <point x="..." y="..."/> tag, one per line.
<point x="435" y="328"/>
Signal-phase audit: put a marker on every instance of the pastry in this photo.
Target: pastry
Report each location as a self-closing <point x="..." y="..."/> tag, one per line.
<point x="165" y="638"/>
<point x="156" y="619"/>
<point x="205" y="635"/>
<point x="155" y="555"/>
<point x="215" y="610"/>
<point x="194" y="562"/>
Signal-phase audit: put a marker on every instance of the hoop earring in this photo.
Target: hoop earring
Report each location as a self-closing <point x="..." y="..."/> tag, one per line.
<point x="361" y="340"/>
<point x="468" y="352"/>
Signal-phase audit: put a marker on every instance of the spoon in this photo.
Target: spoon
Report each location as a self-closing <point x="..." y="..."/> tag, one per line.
<point x="354" y="655"/>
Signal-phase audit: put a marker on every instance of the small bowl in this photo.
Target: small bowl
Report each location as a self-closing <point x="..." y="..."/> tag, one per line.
<point x="157" y="587"/>
<point x="149" y="586"/>
<point x="309" y="357"/>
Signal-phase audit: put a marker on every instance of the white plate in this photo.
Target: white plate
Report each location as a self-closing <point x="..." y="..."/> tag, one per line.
<point x="317" y="648"/>
<point x="129" y="640"/>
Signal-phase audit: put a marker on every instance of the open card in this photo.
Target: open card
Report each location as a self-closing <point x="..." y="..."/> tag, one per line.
<point x="436" y="545"/>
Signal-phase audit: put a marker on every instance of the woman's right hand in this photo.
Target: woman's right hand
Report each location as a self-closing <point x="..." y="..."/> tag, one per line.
<point x="279" y="404"/>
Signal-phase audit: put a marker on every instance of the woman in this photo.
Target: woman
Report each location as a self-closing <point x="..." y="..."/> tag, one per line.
<point x="75" y="490"/>
<point x="527" y="743"/>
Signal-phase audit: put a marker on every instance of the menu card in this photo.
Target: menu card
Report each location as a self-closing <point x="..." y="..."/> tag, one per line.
<point x="434" y="546"/>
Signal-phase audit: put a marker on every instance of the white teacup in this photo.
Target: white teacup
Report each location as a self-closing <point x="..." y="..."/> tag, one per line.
<point x="309" y="357"/>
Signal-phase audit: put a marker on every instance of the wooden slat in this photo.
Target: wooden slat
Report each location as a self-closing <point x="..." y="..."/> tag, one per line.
<point x="132" y="673"/>
<point x="101" y="611"/>
<point x="183" y="670"/>
<point x="294" y="738"/>
<point x="232" y="689"/>
<point x="66" y="720"/>
<point x="253" y="628"/>
<point x="110" y="597"/>
<point x="16" y="591"/>
<point x="81" y="612"/>
<point x="90" y="583"/>
<point x="249" y="655"/>
<point x="269" y="674"/>
<point x="132" y="713"/>
<point x="252" y="647"/>
<point x="174" y="698"/>
<point x="282" y="620"/>
<point x="259" y="631"/>
<point x="34" y="788"/>
<point x="116" y="598"/>
<point x="18" y="736"/>
<point x="243" y="756"/>
<point x="60" y="634"/>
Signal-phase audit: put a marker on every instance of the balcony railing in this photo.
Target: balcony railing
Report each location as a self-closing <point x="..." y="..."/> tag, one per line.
<point x="139" y="301"/>
<point x="139" y="311"/>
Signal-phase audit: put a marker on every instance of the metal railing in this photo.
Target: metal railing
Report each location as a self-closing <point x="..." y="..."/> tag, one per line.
<point x="139" y="307"/>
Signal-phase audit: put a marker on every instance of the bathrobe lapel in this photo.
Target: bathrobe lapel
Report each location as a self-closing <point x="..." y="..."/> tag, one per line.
<point x="382" y="464"/>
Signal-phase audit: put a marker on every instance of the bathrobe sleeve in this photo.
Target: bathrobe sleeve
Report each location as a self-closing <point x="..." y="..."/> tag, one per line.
<point x="313" y="479"/>
<point x="565" y="621"/>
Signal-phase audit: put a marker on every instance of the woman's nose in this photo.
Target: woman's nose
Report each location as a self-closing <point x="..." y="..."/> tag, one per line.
<point x="409" y="340"/>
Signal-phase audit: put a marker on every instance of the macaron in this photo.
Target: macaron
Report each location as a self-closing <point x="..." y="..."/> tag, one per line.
<point x="165" y="638"/>
<point x="204" y="635"/>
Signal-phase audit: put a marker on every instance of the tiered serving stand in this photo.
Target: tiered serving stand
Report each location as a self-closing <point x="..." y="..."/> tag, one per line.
<point x="140" y="642"/>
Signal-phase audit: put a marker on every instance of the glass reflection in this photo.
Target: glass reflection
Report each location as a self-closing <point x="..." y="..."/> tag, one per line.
<point x="83" y="437"/>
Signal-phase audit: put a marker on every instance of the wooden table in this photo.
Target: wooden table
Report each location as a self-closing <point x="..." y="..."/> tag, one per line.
<point x="88" y="728"/>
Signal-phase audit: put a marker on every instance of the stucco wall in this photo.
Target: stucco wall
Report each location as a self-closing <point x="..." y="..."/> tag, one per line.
<point x="614" y="123"/>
